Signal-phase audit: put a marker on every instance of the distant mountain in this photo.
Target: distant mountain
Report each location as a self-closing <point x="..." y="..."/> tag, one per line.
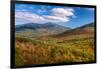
<point x="85" y="29"/>
<point x="35" y="30"/>
<point x="87" y="25"/>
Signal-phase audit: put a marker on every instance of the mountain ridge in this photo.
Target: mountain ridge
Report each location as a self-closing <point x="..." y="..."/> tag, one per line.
<point x="39" y="29"/>
<point x="85" y="29"/>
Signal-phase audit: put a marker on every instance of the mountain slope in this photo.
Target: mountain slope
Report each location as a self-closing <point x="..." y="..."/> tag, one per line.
<point x="85" y="29"/>
<point x="35" y="30"/>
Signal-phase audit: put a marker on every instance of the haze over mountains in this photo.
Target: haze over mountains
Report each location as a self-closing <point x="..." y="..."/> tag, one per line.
<point x="33" y="29"/>
<point x="85" y="29"/>
<point x="36" y="30"/>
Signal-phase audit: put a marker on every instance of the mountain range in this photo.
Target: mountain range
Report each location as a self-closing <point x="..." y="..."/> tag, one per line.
<point x="37" y="30"/>
<point x="85" y="29"/>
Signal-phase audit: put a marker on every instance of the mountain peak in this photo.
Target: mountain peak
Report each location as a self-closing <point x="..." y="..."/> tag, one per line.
<point x="35" y="29"/>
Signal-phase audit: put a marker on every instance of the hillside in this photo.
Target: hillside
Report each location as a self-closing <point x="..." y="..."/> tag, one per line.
<point x="85" y="29"/>
<point x="36" y="30"/>
<point x="75" y="45"/>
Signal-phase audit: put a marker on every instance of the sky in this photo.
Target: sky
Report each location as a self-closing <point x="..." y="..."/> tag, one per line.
<point x="63" y="15"/>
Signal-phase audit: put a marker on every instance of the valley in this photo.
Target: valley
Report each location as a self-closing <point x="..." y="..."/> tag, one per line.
<point x="51" y="44"/>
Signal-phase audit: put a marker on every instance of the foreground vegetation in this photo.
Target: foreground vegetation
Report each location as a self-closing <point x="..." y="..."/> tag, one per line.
<point x="38" y="51"/>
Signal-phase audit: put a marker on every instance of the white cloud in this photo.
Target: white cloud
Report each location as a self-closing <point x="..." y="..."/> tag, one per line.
<point x="29" y="17"/>
<point x="56" y="19"/>
<point x="57" y="15"/>
<point x="90" y="9"/>
<point x="62" y="12"/>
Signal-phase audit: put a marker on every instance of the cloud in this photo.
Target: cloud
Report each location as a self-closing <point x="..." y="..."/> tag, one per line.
<point x="57" y="15"/>
<point x="62" y="12"/>
<point x="89" y="9"/>
<point x="56" y="19"/>
<point x="29" y="17"/>
<point x="24" y="7"/>
<point x="92" y="9"/>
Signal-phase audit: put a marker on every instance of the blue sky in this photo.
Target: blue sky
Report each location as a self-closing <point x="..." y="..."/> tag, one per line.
<point x="63" y="15"/>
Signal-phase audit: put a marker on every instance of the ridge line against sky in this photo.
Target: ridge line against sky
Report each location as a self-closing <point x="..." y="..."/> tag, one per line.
<point x="62" y="15"/>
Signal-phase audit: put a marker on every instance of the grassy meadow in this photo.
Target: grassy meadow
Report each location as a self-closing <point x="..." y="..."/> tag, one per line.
<point x="50" y="50"/>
